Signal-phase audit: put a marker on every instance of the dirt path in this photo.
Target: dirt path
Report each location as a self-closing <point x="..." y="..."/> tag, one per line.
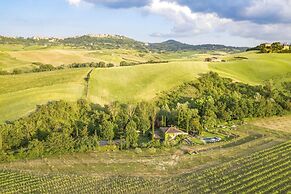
<point x="87" y="79"/>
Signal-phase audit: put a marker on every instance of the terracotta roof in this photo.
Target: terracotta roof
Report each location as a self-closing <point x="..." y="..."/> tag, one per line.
<point x="172" y="130"/>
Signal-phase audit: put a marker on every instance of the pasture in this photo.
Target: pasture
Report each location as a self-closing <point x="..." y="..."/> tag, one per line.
<point x="256" y="68"/>
<point x="17" y="56"/>
<point x="142" y="82"/>
<point x="19" y="94"/>
<point x="276" y="123"/>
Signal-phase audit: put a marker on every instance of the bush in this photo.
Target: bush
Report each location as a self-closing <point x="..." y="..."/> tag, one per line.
<point x="152" y="150"/>
<point x="138" y="150"/>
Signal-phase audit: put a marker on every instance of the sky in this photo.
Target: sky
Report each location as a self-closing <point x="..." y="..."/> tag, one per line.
<point x="228" y="22"/>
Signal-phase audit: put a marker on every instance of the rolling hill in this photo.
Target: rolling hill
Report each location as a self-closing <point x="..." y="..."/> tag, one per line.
<point x="173" y="45"/>
<point x="19" y="94"/>
<point x="106" y="41"/>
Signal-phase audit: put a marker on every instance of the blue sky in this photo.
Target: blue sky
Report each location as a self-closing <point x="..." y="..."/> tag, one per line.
<point x="229" y="22"/>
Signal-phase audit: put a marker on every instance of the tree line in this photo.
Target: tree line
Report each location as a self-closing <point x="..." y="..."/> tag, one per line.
<point x="275" y="47"/>
<point x="126" y="63"/>
<point x="61" y="127"/>
<point x="39" y="67"/>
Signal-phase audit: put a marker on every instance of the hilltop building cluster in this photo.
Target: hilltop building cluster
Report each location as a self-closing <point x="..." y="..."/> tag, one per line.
<point x="275" y="47"/>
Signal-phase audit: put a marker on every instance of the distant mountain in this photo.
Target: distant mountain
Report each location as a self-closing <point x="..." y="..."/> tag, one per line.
<point x="107" y="41"/>
<point x="173" y="45"/>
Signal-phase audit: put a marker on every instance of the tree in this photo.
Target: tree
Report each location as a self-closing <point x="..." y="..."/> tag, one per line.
<point x="153" y="113"/>
<point x="276" y="47"/>
<point x="142" y="117"/>
<point x="1" y="141"/>
<point x="107" y="130"/>
<point x="102" y="64"/>
<point x="197" y="126"/>
<point x="35" y="148"/>
<point x="131" y="137"/>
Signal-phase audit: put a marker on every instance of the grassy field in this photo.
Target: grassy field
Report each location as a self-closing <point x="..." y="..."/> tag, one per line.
<point x="256" y="68"/>
<point x="19" y="94"/>
<point x="18" y="56"/>
<point x="277" y="123"/>
<point x="243" y="165"/>
<point x="140" y="82"/>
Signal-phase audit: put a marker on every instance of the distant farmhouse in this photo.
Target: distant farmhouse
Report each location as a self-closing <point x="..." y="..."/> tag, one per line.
<point x="286" y="47"/>
<point x="168" y="133"/>
<point x="275" y="47"/>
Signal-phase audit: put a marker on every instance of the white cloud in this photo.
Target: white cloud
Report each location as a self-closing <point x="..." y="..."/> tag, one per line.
<point x="185" y="21"/>
<point x="276" y="10"/>
<point x="188" y="23"/>
<point x="74" y="2"/>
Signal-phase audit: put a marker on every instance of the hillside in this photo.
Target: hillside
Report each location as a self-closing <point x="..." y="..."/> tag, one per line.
<point x="172" y="45"/>
<point x="126" y="84"/>
<point x="19" y="94"/>
<point x="254" y="68"/>
<point x="93" y="42"/>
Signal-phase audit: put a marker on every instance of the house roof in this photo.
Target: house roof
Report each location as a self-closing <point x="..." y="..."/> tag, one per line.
<point x="172" y="130"/>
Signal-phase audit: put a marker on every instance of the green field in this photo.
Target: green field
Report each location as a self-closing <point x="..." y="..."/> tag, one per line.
<point x="255" y="69"/>
<point x="140" y="82"/>
<point x="21" y="93"/>
<point x="240" y="165"/>
<point x="17" y="56"/>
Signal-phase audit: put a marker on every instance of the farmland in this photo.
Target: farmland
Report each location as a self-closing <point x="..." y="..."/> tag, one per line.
<point x="255" y="160"/>
<point x="19" y="94"/>
<point x="145" y="97"/>
<point x="245" y="167"/>
<point x="283" y="123"/>
<point x="107" y="85"/>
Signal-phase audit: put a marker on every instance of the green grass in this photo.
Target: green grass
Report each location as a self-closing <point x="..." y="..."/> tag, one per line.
<point x="9" y="63"/>
<point x="19" y="56"/>
<point x="19" y="94"/>
<point x="125" y="84"/>
<point x="140" y="82"/>
<point x="256" y="69"/>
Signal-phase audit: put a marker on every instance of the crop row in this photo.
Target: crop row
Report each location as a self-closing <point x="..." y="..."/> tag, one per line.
<point x="266" y="171"/>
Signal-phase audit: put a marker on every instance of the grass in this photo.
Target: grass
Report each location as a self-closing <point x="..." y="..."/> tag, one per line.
<point x="9" y="63"/>
<point x="19" y="56"/>
<point x="276" y="123"/>
<point x="54" y="56"/>
<point x="19" y="94"/>
<point x="125" y="84"/>
<point x="255" y="69"/>
<point x="140" y="82"/>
